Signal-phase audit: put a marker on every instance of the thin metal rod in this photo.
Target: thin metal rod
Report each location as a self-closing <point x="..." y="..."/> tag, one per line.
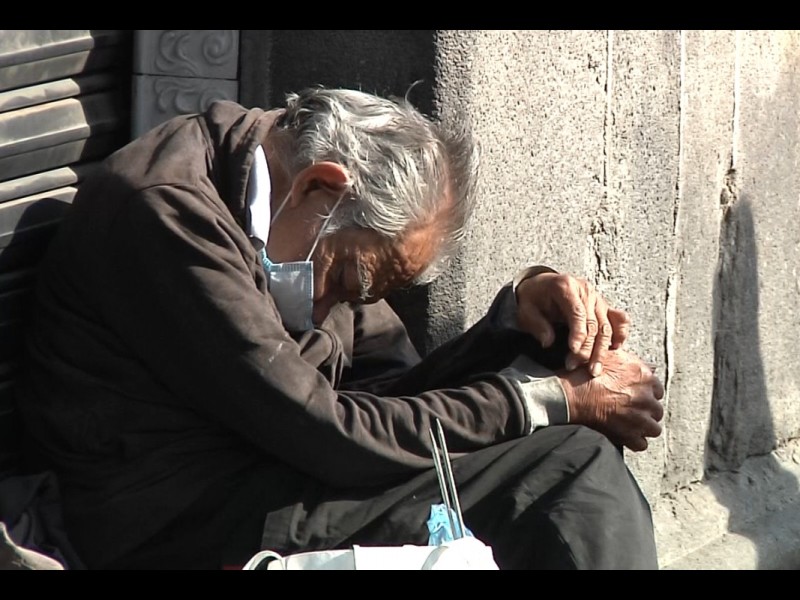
<point x="437" y="463"/>
<point x="450" y="479"/>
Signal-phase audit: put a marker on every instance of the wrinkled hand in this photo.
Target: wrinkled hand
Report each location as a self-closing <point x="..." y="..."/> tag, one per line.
<point x="547" y="299"/>
<point x="622" y="403"/>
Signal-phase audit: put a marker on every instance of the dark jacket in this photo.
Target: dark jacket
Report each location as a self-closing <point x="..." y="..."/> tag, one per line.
<point x="158" y="366"/>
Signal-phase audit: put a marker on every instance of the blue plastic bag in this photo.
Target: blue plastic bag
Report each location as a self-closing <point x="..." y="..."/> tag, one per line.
<point x="439" y="530"/>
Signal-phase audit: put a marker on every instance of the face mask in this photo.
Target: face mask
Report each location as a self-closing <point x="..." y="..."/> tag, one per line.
<point x="291" y="284"/>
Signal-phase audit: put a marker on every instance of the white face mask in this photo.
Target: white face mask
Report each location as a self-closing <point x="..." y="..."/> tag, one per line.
<point x="291" y="284"/>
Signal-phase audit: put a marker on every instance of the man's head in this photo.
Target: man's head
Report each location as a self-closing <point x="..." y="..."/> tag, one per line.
<point x="397" y="187"/>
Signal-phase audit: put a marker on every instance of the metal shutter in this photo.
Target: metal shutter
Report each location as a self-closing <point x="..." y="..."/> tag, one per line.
<point x="64" y="105"/>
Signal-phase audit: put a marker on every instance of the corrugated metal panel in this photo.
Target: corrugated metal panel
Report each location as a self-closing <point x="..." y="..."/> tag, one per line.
<point x="64" y="106"/>
<point x="33" y="56"/>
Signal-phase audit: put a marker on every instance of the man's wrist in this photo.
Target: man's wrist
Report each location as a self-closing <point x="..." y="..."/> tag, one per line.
<point x="504" y="309"/>
<point x="528" y="273"/>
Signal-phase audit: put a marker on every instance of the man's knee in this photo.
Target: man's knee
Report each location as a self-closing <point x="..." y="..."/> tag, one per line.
<point x="572" y="502"/>
<point x="580" y="436"/>
<point x="598" y="462"/>
<point x="603" y="514"/>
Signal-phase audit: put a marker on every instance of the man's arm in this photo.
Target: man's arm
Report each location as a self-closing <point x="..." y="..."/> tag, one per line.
<point x="622" y="401"/>
<point x="181" y="297"/>
<point x="384" y="360"/>
<point x="381" y="351"/>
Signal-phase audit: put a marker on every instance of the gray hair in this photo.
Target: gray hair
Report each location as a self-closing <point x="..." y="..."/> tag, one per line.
<point x="402" y="165"/>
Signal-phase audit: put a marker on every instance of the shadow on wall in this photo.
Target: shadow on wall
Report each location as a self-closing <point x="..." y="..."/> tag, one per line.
<point x="741" y="424"/>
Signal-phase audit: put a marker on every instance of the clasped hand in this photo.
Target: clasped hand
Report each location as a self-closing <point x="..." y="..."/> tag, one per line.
<point x="607" y="388"/>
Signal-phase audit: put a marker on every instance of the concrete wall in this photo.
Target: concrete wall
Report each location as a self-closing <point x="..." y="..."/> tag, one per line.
<point x="661" y="165"/>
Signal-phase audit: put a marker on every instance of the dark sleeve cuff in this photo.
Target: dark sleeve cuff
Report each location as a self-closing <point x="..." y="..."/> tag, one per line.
<point x="506" y="310"/>
<point x="545" y="399"/>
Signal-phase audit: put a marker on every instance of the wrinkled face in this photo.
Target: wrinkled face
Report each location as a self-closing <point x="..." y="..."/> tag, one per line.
<point x="361" y="266"/>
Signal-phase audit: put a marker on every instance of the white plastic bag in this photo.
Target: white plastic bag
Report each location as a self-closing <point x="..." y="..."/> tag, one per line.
<point x="467" y="553"/>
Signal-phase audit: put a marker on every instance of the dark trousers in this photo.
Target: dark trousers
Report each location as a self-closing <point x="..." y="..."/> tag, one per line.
<point x="561" y="498"/>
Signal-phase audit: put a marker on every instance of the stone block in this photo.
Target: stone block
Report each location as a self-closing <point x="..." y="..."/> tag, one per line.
<point x="707" y="107"/>
<point x="207" y="53"/>
<point x="156" y="99"/>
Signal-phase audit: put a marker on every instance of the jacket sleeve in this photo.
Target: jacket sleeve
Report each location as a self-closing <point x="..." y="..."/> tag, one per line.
<point x="493" y="345"/>
<point x="181" y="295"/>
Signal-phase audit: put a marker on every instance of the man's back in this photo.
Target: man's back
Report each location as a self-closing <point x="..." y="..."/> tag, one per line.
<point x="128" y="448"/>
<point x="149" y="387"/>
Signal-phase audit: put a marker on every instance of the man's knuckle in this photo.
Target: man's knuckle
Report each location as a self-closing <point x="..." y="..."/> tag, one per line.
<point x="562" y="284"/>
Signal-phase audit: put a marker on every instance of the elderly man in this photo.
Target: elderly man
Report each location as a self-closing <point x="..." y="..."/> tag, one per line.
<point x="213" y="368"/>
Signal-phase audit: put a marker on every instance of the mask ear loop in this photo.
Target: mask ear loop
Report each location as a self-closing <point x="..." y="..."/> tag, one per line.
<point x="289" y="195"/>
<point x="280" y="208"/>
<point x="324" y="225"/>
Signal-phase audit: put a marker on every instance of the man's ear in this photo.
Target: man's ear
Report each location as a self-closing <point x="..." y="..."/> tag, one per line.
<point x="329" y="176"/>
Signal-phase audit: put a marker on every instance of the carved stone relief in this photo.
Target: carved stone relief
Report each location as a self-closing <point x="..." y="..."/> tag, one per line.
<point x="180" y="71"/>
<point x="187" y="52"/>
<point x="156" y="99"/>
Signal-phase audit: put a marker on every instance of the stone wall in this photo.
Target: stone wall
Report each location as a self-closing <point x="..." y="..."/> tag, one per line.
<point x="661" y="165"/>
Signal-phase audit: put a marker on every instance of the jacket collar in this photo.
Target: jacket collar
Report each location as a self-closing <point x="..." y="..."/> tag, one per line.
<point x="235" y="132"/>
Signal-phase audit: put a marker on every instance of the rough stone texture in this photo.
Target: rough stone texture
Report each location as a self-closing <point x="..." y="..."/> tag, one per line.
<point x="537" y="104"/>
<point x="744" y="519"/>
<point x="757" y="393"/>
<point x="707" y="108"/>
<point x="255" y="72"/>
<point x="634" y="226"/>
<point x="445" y="301"/>
<point x="380" y="61"/>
